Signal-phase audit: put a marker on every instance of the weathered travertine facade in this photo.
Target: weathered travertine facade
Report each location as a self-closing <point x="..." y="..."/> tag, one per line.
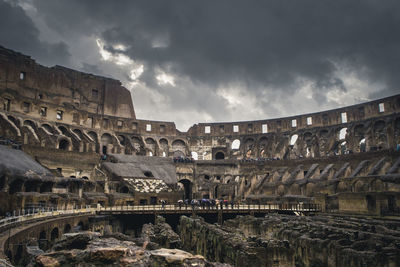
<point x="344" y="159"/>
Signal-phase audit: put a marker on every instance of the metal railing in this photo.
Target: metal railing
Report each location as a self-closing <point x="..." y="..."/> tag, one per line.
<point x="33" y="214"/>
<point x="234" y="207"/>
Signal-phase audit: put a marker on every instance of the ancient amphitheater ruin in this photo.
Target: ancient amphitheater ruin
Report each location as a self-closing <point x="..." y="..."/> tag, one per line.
<point x="319" y="189"/>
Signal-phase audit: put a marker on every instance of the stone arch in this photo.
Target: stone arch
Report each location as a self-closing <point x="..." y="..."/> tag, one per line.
<point x="54" y="234"/>
<point x="293" y="139"/>
<point x="63" y="130"/>
<point x="30" y="123"/>
<point x="138" y="145"/>
<point x="219" y="155"/>
<point x="235" y="144"/>
<point x="14" y="120"/>
<point x="151" y="146"/>
<point x="93" y="136"/>
<point x="187" y="185"/>
<point x="47" y="127"/>
<point x="106" y="142"/>
<point x="78" y="133"/>
<point x="16" y="186"/>
<point x="121" y="139"/>
<point x="63" y="144"/>
<point x="358" y="186"/>
<point x="179" y="145"/>
<point x="164" y="146"/>
<point x="67" y="228"/>
<point x="248" y="147"/>
<point x="263" y="147"/>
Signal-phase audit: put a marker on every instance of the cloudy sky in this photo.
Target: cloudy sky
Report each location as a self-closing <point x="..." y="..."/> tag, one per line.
<point x="226" y="60"/>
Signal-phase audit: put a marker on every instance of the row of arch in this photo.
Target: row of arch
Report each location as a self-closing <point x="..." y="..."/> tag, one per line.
<point x="357" y="137"/>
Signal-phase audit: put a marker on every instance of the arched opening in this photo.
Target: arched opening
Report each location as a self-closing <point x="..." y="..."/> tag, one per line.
<point x="19" y="254"/>
<point x="81" y="226"/>
<point x="46" y="187"/>
<point x="29" y="123"/>
<point x="216" y="192"/>
<point x="47" y="128"/>
<point x="63" y="130"/>
<point x="122" y="140"/>
<point x="78" y="133"/>
<point x="219" y="155"/>
<point x="179" y="154"/>
<point x="371" y="203"/>
<point x="148" y="174"/>
<point x="67" y="228"/>
<point x="342" y="133"/>
<point x="179" y="148"/>
<point x="54" y="234"/>
<point x="195" y="156"/>
<point x="235" y="144"/>
<point x="104" y="150"/>
<point x="363" y="145"/>
<point x="14" y="120"/>
<point x="187" y="185"/>
<point x="16" y="186"/>
<point x="293" y="139"/>
<point x="31" y="186"/>
<point x="42" y="241"/>
<point x="93" y="136"/>
<point x="124" y="190"/>
<point x="63" y="144"/>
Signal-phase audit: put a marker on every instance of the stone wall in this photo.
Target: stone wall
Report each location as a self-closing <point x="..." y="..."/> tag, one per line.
<point x="283" y="240"/>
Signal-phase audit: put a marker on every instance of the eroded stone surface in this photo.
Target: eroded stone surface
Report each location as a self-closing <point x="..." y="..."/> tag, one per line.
<point x="89" y="249"/>
<point x="283" y="240"/>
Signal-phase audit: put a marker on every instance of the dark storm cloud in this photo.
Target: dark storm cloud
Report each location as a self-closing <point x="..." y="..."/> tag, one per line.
<point x="266" y="42"/>
<point x="268" y="49"/>
<point x="18" y="32"/>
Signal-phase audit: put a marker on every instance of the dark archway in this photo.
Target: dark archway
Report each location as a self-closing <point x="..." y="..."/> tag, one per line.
<point x="104" y="150"/>
<point x="220" y="155"/>
<point x="54" y="234"/>
<point x="371" y="203"/>
<point x="67" y="228"/>
<point x="63" y="144"/>
<point x="16" y="186"/>
<point x="124" y="190"/>
<point x="188" y="188"/>
<point x="43" y="240"/>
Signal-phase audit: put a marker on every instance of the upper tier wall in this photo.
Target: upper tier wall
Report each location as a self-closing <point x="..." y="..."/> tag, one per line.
<point x="59" y="85"/>
<point x="369" y="110"/>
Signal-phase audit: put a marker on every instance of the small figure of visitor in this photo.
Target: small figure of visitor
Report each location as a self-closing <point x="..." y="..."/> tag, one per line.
<point x="162" y="203"/>
<point x="180" y="202"/>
